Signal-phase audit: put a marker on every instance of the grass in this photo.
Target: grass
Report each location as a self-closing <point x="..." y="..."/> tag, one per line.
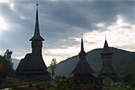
<point x="42" y="85"/>
<point x="46" y="86"/>
<point x="16" y="81"/>
<point x="116" y="88"/>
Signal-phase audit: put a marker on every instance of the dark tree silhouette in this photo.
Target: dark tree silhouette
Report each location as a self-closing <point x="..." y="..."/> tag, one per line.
<point x="6" y="66"/>
<point x="53" y="67"/>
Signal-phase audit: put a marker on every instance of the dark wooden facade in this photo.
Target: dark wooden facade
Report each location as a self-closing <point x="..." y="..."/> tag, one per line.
<point x="83" y="73"/>
<point x="33" y="63"/>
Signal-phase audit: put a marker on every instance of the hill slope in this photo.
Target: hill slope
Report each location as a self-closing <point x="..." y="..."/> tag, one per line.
<point x="123" y="62"/>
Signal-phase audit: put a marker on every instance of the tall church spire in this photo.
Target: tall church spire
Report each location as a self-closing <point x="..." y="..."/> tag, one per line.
<point x="36" y="36"/>
<point x="33" y="65"/>
<point x="82" y="52"/>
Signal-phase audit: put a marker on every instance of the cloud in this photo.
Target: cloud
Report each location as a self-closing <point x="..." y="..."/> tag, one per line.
<point x="3" y="24"/>
<point x="60" y="53"/>
<point x="62" y="22"/>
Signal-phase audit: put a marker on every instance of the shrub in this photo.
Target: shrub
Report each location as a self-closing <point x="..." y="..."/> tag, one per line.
<point x="30" y="85"/>
<point x="24" y="88"/>
<point x="37" y="86"/>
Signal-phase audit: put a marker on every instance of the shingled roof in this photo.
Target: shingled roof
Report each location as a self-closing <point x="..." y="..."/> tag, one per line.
<point x="30" y="66"/>
<point x="82" y="66"/>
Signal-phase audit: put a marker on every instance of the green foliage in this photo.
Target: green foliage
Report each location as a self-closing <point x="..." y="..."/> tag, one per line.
<point x="37" y="86"/>
<point x="30" y="85"/>
<point x="65" y="83"/>
<point x="116" y="88"/>
<point x="128" y="78"/>
<point x="6" y="66"/>
<point x="133" y="85"/>
<point x="53" y="66"/>
<point x="134" y="74"/>
<point x="60" y="77"/>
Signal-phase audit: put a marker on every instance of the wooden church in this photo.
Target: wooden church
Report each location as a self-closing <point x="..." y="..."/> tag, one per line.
<point x="83" y="73"/>
<point x="33" y="63"/>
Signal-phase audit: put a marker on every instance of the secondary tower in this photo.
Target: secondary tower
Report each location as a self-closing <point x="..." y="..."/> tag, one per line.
<point x="107" y="71"/>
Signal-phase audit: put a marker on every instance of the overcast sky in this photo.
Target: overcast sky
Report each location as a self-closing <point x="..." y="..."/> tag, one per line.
<point x="61" y="23"/>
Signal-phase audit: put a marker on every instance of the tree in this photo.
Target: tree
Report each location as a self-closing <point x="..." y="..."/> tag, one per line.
<point x="134" y="74"/>
<point x="53" y="67"/>
<point x="6" y="66"/>
<point x="128" y="78"/>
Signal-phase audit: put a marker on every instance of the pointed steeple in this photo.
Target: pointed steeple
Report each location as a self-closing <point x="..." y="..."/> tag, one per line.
<point x="36" y="36"/>
<point x="82" y="66"/>
<point x="106" y="48"/>
<point x="82" y="52"/>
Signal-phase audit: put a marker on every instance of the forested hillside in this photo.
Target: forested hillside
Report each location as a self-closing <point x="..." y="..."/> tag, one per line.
<point x="123" y="62"/>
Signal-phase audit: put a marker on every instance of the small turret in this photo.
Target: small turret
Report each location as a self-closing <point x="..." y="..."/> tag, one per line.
<point x="106" y="53"/>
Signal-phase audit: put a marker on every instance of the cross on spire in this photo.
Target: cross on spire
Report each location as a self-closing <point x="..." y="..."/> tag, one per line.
<point x="105" y="36"/>
<point x="36" y="36"/>
<point x="37" y="4"/>
<point x="81" y="34"/>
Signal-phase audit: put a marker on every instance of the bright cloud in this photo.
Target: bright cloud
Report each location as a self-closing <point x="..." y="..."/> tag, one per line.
<point x="3" y="24"/>
<point x="60" y="53"/>
<point x="4" y="1"/>
<point x="12" y="6"/>
<point x="117" y="35"/>
<point x="9" y="2"/>
<point x="120" y="24"/>
<point x="100" y="24"/>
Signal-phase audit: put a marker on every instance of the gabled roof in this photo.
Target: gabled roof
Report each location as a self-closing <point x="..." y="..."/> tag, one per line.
<point x="82" y="67"/>
<point x="106" y="48"/>
<point x="82" y="52"/>
<point x="36" y="36"/>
